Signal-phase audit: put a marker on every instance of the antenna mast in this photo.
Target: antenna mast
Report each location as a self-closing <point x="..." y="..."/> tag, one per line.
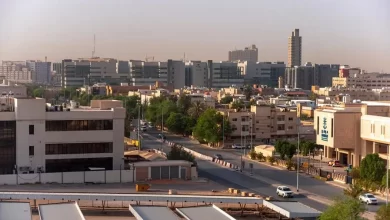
<point x="94" y="46"/>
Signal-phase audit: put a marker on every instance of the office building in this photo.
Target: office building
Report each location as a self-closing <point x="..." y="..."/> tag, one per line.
<point x="248" y="54"/>
<point x="196" y="73"/>
<point x="40" y="71"/>
<point x="294" y="49"/>
<point x="263" y="123"/>
<point x="300" y="76"/>
<point x="15" y="71"/>
<point x="262" y="73"/>
<point x="348" y="133"/>
<point x="224" y="74"/>
<point x="323" y="74"/>
<point x="349" y="94"/>
<point x="59" y="139"/>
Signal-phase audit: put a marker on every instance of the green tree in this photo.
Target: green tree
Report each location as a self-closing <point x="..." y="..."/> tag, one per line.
<point x="372" y="168"/>
<point x="354" y="190"/>
<point x="184" y="103"/>
<point x="248" y="92"/>
<point x="383" y="213"/>
<point x="285" y="148"/>
<point x="209" y="127"/>
<point x="176" y="123"/>
<point x="196" y="109"/>
<point x="313" y="96"/>
<point x="290" y="150"/>
<point x="178" y="153"/>
<point x="226" y="100"/>
<point x="384" y="183"/>
<point x="253" y="154"/>
<point x="307" y="146"/>
<point x="38" y="92"/>
<point x="344" y="208"/>
<point x="237" y="105"/>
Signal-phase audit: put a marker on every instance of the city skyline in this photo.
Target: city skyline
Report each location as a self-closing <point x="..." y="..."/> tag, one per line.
<point x="202" y="30"/>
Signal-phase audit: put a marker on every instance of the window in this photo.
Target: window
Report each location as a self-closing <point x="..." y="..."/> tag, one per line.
<point x="234" y="119"/>
<point x="79" y="125"/>
<point x="318" y="125"/>
<point x="290" y="127"/>
<point x="78" y="148"/>
<point x="331" y="128"/>
<point x="290" y="118"/>
<point x="31" y="150"/>
<point x="31" y="129"/>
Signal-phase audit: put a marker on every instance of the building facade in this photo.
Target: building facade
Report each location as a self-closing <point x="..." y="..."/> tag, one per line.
<point x="196" y="74"/>
<point x="262" y="73"/>
<point x="40" y="71"/>
<point x="350" y="132"/>
<point x="248" y="54"/>
<point x="294" y="49"/>
<point x="16" y="71"/>
<point x="364" y="81"/>
<point x="224" y="74"/>
<point x="323" y="74"/>
<point x="60" y="140"/>
<point x="299" y="77"/>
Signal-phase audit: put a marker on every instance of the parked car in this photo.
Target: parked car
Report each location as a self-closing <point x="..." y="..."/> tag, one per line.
<point x="143" y="128"/>
<point x="334" y="163"/>
<point x="284" y="191"/>
<point x="237" y="146"/>
<point x="218" y="157"/>
<point x="368" y="198"/>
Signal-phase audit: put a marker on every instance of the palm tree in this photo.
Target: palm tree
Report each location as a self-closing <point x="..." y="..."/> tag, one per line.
<point x="196" y="109"/>
<point x="353" y="191"/>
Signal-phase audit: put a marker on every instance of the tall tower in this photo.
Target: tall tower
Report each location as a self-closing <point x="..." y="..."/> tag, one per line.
<point x="294" y="49"/>
<point x="280" y="82"/>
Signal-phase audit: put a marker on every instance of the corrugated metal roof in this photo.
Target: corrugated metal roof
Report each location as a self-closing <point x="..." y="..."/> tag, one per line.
<point x="15" y="210"/>
<point x="292" y="209"/>
<point x="153" y="213"/>
<point x="60" y="211"/>
<point x="204" y="213"/>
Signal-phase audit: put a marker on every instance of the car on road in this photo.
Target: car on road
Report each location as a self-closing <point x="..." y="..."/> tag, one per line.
<point x="334" y="163"/>
<point x="143" y="128"/>
<point x="368" y="198"/>
<point x="161" y="136"/>
<point x="218" y="157"/>
<point x="237" y="146"/>
<point x="284" y="192"/>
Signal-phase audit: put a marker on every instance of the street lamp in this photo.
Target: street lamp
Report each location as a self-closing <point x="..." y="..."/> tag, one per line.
<point x="298" y="160"/>
<point x="387" y="177"/>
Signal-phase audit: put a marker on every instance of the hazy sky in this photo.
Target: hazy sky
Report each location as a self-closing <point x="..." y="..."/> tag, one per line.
<point x="354" y="32"/>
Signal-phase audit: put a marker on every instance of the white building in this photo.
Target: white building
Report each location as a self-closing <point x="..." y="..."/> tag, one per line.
<point x="15" y="71"/>
<point x="10" y="89"/>
<point x="262" y="73"/>
<point x="38" y="138"/>
<point x="248" y="54"/>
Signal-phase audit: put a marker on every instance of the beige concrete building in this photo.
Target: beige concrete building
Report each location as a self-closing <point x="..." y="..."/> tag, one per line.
<point x="364" y="81"/>
<point x="350" y="133"/>
<point x="263" y="123"/>
<point x="348" y="94"/>
<point x="294" y="49"/>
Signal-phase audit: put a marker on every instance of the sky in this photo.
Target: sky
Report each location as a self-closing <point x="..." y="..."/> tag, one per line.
<point x="353" y="32"/>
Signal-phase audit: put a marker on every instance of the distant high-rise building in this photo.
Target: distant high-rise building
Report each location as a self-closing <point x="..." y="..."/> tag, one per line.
<point x="196" y="74"/>
<point x="40" y="71"/>
<point x="248" y="54"/>
<point x="224" y="74"/>
<point x="262" y="73"/>
<point x="15" y="71"/>
<point x="294" y="49"/>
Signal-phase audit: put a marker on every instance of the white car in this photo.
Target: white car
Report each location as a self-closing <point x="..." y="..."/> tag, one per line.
<point x="284" y="191"/>
<point x="368" y="198"/>
<point x="237" y="146"/>
<point x="143" y="128"/>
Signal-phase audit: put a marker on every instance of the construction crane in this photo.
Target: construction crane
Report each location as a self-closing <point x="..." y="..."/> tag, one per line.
<point x="147" y="59"/>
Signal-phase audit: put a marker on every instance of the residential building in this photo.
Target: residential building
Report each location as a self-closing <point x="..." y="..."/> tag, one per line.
<point x="263" y="73"/>
<point x="196" y="73"/>
<point x="205" y="99"/>
<point x="263" y="122"/>
<point x="224" y="74"/>
<point x="352" y="131"/>
<point x="294" y="49"/>
<point x="248" y="54"/>
<point x="40" y="71"/>
<point x="16" y="71"/>
<point x="364" y="81"/>
<point x="60" y="139"/>
<point x="349" y="94"/>
<point x="9" y="89"/>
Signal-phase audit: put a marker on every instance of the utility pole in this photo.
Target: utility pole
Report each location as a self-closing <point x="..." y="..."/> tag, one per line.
<point x="162" y="128"/>
<point x="241" y="144"/>
<point x="139" y="127"/>
<point x="251" y="132"/>
<point x="387" y="177"/>
<point x="223" y="131"/>
<point x="298" y="157"/>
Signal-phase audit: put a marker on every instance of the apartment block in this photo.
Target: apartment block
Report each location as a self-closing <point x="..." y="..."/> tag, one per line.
<point x="37" y="137"/>
<point x="248" y="54"/>
<point x="263" y="123"/>
<point x="196" y="74"/>
<point x="16" y="71"/>
<point x="349" y="94"/>
<point x="350" y="132"/>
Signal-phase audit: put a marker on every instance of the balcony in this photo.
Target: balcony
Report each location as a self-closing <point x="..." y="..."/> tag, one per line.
<point x="281" y="122"/>
<point x="282" y="132"/>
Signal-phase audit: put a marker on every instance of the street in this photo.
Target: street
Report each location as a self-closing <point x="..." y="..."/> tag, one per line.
<point x="265" y="178"/>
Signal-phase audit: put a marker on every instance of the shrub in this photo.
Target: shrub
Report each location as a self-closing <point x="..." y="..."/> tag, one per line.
<point x="253" y="154"/>
<point x="260" y="156"/>
<point x="289" y="164"/>
<point x="271" y="160"/>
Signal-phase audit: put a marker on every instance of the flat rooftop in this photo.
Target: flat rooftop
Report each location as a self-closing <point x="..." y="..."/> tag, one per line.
<point x="15" y="211"/>
<point x="60" y="211"/>
<point x="204" y="213"/>
<point x="153" y="213"/>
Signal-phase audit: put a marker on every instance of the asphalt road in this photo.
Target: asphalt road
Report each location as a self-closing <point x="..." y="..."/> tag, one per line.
<point x="266" y="177"/>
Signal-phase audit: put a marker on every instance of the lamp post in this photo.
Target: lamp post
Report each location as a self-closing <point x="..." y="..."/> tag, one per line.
<point x="139" y="127"/>
<point x="162" y="128"/>
<point x="298" y="162"/>
<point x="387" y="177"/>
